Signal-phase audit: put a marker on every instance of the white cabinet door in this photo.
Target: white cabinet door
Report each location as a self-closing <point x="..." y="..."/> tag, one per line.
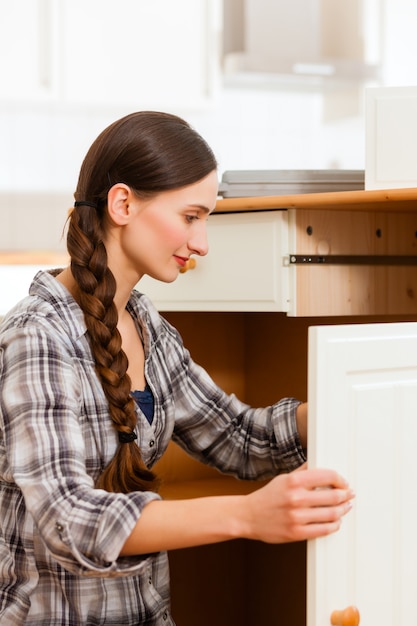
<point x="363" y="423"/>
<point x="244" y="270"/>
<point x="136" y="53"/>
<point x="127" y="54"/>
<point x="390" y="137"/>
<point x="27" y="41"/>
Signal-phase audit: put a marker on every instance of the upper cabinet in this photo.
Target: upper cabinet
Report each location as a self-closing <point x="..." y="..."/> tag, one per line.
<point x="303" y="40"/>
<point x="105" y="53"/>
<point x="113" y="51"/>
<point x="28" y="50"/>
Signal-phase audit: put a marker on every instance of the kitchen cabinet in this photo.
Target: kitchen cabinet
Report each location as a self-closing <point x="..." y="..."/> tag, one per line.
<point x="28" y="68"/>
<point x="140" y="54"/>
<point x="390" y="146"/>
<point x="320" y="38"/>
<point x="105" y="54"/>
<point x="263" y="356"/>
<point x="350" y="253"/>
<point x="342" y="253"/>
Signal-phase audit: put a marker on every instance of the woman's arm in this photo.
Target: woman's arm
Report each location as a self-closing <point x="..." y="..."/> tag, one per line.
<point x="292" y="507"/>
<point x="301" y="419"/>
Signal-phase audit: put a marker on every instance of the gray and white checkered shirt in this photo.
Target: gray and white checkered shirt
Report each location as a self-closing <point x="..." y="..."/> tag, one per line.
<point x="60" y="538"/>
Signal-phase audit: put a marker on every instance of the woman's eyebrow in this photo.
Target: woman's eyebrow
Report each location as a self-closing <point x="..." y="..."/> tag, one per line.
<point x="202" y="207"/>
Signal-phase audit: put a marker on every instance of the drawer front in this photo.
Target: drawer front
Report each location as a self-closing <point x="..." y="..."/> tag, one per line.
<point x="245" y="268"/>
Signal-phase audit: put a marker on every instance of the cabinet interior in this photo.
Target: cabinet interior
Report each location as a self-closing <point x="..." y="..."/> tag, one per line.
<point x="261" y="357"/>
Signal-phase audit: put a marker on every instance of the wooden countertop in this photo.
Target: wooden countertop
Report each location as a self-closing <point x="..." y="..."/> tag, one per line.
<point x="373" y="200"/>
<point x="34" y="257"/>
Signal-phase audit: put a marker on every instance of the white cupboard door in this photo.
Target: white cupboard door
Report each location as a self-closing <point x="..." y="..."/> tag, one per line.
<point x="139" y="54"/>
<point x="363" y="423"/>
<point x="28" y="68"/>
<point x="390" y="137"/>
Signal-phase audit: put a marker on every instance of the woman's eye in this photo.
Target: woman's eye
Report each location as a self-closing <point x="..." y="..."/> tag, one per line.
<point x="191" y="218"/>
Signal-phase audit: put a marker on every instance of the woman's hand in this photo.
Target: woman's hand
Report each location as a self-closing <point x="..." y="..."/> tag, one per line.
<point x="300" y="505"/>
<point x="304" y="504"/>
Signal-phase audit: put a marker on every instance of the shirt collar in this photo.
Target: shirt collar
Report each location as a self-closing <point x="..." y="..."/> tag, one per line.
<point x="53" y="293"/>
<point x="46" y="288"/>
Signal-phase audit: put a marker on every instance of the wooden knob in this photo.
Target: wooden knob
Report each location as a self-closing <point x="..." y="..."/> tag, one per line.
<point x="349" y="617"/>
<point x="189" y="265"/>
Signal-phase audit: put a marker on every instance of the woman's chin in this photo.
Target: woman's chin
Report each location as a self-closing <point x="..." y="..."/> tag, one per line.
<point x="168" y="277"/>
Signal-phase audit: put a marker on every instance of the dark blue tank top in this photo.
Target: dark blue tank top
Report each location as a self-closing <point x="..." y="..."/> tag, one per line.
<point x="145" y="401"/>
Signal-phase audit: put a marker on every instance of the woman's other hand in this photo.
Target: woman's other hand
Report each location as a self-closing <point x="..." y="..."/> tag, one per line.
<point x="303" y="504"/>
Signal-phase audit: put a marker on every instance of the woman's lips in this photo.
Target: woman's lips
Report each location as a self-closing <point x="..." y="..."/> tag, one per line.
<point x="181" y="260"/>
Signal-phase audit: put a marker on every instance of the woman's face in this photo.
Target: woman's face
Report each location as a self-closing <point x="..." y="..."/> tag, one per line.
<point x="167" y="229"/>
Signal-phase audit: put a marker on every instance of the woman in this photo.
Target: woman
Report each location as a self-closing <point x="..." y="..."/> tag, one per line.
<point x="94" y="385"/>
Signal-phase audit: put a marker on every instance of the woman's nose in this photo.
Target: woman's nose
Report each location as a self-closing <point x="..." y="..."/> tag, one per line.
<point x="198" y="243"/>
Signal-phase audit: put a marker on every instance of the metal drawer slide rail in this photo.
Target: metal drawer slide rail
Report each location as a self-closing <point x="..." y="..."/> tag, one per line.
<point x="352" y="259"/>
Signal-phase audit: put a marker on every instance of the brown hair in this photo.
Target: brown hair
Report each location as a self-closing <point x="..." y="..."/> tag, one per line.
<point x="150" y="152"/>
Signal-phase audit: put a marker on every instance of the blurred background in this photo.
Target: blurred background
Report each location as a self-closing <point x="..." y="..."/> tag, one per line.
<point x="271" y="84"/>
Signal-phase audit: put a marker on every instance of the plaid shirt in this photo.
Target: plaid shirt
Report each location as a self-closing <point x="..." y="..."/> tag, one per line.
<point x="60" y="537"/>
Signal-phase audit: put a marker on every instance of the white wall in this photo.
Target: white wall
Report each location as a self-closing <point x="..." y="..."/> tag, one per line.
<point x="247" y="128"/>
<point x="264" y="128"/>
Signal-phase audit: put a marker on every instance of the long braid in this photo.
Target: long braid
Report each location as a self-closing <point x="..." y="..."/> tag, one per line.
<point x="126" y="472"/>
<point x="151" y="152"/>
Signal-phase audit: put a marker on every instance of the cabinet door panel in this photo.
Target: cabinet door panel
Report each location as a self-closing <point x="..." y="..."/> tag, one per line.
<point x="27" y="40"/>
<point x="390" y="145"/>
<point x="363" y="422"/>
<point x="138" y="53"/>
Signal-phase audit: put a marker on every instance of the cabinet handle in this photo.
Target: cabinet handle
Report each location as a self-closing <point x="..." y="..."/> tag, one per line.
<point x="189" y="265"/>
<point x="349" y="617"/>
<point x="45" y="34"/>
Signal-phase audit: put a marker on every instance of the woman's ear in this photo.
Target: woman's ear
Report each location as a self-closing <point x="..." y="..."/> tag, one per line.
<point x="118" y="201"/>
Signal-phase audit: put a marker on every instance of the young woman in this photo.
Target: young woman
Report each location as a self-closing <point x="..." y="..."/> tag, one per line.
<point x="94" y="385"/>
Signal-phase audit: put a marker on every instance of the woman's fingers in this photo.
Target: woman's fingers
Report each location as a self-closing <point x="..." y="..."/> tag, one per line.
<point x="320" y="478"/>
<point x="321" y="514"/>
<point x="302" y="505"/>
